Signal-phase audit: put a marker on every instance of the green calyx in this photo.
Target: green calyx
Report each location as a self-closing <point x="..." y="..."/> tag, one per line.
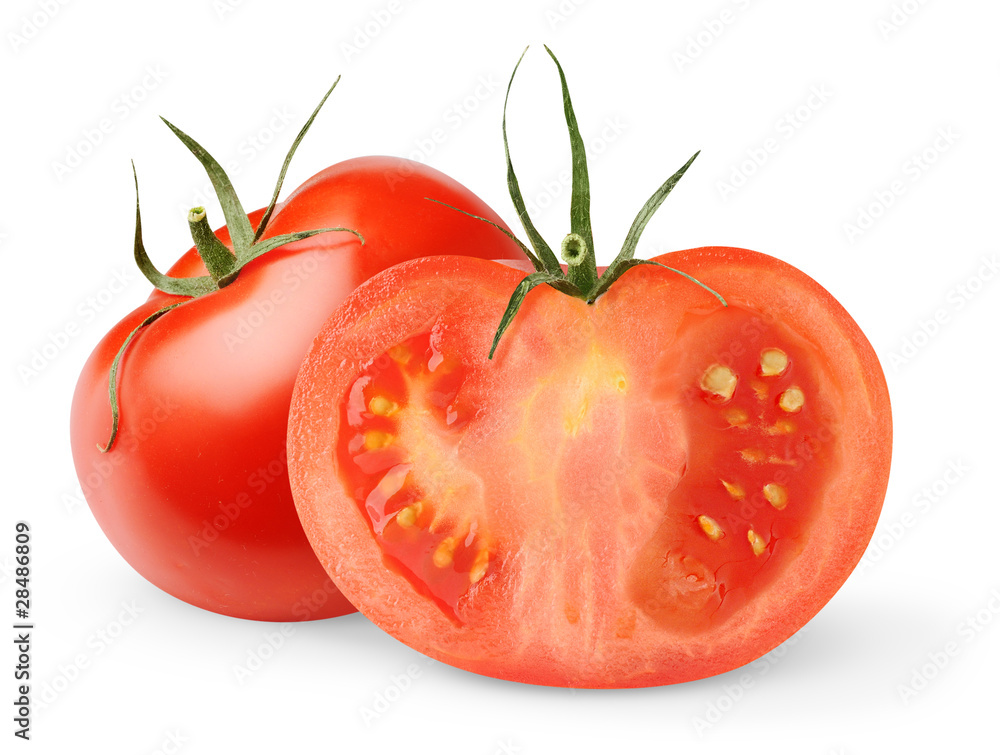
<point x="581" y="280"/>
<point x="222" y="263"/>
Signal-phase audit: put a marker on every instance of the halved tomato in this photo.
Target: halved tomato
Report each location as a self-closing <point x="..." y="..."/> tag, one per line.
<point x="645" y="489"/>
<point x="624" y="478"/>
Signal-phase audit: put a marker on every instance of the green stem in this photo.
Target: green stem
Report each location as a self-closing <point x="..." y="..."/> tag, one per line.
<point x="582" y="268"/>
<point x="219" y="261"/>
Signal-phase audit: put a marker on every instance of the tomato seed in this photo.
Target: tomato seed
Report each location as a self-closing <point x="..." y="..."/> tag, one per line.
<point x="776" y="495"/>
<point x="719" y="381"/>
<point x="792" y="400"/>
<point x="735" y="490"/>
<point x="710" y="527"/>
<point x="773" y="362"/>
<point x="756" y="542"/>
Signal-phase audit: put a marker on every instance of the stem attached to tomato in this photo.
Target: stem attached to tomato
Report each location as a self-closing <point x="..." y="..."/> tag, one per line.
<point x="219" y="261"/>
<point x="223" y="264"/>
<point x="581" y="265"/>
<point x="582" y="280"/>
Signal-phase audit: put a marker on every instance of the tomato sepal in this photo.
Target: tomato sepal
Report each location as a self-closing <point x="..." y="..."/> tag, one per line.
<point x="223" y="264"/>
<point x="113" y="373"/>
<point x="581" y="278"/>
<point x="538" y="278"/>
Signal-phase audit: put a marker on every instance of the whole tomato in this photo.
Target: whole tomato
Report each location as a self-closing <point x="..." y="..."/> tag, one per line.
<point x="183" y="462"/>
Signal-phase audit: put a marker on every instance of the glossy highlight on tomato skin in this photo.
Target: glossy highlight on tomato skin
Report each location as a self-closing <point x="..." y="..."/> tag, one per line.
<point x="600" y="442"/>
<point x="195" y="494"/>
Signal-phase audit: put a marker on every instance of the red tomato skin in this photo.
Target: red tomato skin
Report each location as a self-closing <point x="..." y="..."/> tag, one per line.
<point x="195" y="494"/>
<point x="509" y="647"/>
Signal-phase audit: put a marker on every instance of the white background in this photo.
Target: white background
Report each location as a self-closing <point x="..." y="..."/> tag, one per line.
<point x="908" y="95"/>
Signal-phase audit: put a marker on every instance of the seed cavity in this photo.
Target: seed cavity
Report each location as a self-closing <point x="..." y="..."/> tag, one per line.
<point x="735" y="490"/>
<point x="376" y="439"/>
<point x="382" y="407"/>
<point x="752" y="455"/>
<point x="792" y="399"/>
<point x="479" y="566"/>
<point x="719" y="381"/>
<point x="445" y="552"/>
<point x="756" y="542"/>
<point x="773" y="362"/>
<point x="776" y="495"/>
<point x="710" y="527"/>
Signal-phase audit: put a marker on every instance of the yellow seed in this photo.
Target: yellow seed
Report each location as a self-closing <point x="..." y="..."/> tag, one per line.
<point x="376" y="439"/>
<point x="752" y="455"/>
<point x="782" y="427"/>
<point x="756" y="542"/>
<point x="710" y="527"/>
<point x="775" y="459"/>
<point x="792" y="399"/>
<point x="479" y="566"/>
<point x="407" y="516"/>
<point x="621" y="384"/>
<point x="736" y="417"/>
<point x="444" y="553"/>
<point x="735" y="490"/>
<point x="776" y="495"/>
<point x="382" y="406"/>
<point x="720" y="381"/>
<point x="773" y="362"/>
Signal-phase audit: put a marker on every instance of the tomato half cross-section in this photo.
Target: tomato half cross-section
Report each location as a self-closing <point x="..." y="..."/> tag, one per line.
<point x="640" y="477"/>
<point x="184" y="463"/>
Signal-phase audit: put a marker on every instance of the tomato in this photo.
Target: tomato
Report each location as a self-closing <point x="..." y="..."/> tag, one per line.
<point x="634" y="477"/>
<point x="194" y="491"/>
<point x="650" y="489"/>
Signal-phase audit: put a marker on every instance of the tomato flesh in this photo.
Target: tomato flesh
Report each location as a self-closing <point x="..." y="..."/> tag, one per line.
<point x="645" y="490"/>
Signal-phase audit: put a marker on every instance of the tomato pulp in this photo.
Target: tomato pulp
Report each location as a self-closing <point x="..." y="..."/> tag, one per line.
<point x="646" y="489"/>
